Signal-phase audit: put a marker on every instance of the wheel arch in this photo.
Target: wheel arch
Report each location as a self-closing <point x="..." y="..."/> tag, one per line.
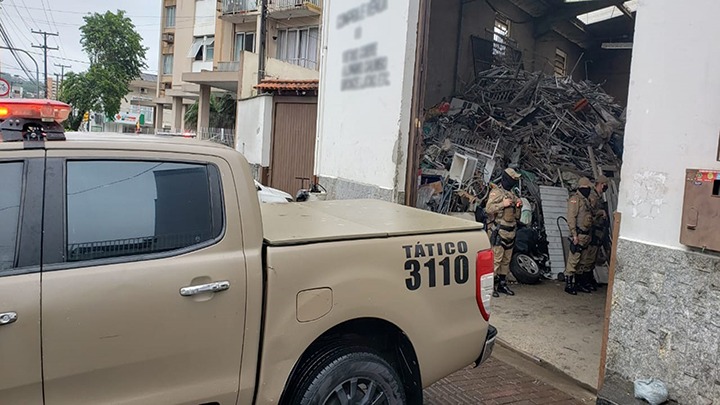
<point x="384" y="337"/>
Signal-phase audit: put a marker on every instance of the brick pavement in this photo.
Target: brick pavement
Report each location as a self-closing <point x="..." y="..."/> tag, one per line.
<point x="494" y="383"/>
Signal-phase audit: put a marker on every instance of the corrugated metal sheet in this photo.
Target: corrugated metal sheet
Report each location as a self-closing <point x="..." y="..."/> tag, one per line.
<point x="554" y="205"/>
<point x="293" y="146"/>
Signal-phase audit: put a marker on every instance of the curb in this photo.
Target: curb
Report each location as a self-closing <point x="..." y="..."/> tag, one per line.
<point x="544" y="364"/>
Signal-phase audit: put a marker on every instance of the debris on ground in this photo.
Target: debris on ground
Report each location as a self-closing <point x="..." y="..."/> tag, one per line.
<point x="651" y="390"/>
<point x="553" y="130"/>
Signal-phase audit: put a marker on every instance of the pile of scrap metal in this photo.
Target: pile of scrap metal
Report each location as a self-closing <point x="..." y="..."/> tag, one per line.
<point x="551" y="129"/>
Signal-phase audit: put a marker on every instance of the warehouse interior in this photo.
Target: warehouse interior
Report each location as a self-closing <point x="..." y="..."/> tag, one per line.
<point x="541" y="86"/>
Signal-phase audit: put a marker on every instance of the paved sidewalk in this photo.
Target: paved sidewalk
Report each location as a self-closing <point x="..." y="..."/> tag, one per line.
<point x="495" y="383"/>
<point x="561" y="329"/>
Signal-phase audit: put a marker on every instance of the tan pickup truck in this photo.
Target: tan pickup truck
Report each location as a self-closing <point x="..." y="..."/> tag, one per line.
<point x="142" y="270"/>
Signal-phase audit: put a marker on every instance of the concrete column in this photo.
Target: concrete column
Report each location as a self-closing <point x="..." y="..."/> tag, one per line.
<point x="203" y="108"/>
<point x="159" y="115"/>
<point x="184" y="111"/>
<point x="178" y="111"/>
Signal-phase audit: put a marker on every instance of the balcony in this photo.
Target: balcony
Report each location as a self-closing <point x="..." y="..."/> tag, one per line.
<point x="239" y="11"/>
<point x="284" y="9"/>
<point x="240" y="77"/>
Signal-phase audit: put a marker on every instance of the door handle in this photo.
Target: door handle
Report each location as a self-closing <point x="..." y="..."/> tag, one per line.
<point x="205" y="288"/>
<point x="8" y="318"/>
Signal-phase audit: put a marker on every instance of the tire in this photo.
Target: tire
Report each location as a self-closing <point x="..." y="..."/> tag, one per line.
<point x="342" y="371"/>
<point x="525" y="269"/>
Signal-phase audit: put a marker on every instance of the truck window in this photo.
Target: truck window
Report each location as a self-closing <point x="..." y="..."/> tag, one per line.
<point x="11" y="178"/>
<point x="126" y="208"/>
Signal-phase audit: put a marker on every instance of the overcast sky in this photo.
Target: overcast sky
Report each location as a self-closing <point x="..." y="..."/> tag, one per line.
<point x="65" y="17"/>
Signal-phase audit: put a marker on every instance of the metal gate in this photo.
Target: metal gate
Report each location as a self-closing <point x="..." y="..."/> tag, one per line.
<point x="293" y="144"/>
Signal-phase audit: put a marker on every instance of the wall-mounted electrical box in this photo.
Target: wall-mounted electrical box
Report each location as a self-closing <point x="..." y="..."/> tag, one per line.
<point x="701" y="210"/>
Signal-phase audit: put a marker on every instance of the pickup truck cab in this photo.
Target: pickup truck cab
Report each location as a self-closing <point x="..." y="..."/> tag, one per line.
<point x="142" y="270"/>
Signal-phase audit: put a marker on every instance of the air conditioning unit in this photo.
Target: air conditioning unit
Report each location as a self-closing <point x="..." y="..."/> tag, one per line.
<point x="168" y="38"/>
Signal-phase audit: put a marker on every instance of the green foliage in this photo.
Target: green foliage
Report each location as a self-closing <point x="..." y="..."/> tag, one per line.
<point x="222" y="112"/>
<point x="110" y="40"/>
<point x="78" y="90"/>
<point x="116" y="58"/>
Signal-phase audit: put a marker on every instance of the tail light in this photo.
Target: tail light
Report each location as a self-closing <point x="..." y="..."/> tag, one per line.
<point x="485" y="278"/>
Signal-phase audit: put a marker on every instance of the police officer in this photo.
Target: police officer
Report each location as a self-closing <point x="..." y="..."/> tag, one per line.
<point x="503" y="209"/>
<point x="580" y="220"/>
<point x="599" y="233"/>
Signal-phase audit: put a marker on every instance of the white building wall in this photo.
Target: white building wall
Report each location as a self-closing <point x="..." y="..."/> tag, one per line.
<point x="254" y="129"/>
<point x="673" y="121"/>
<point x="364" y="119"/>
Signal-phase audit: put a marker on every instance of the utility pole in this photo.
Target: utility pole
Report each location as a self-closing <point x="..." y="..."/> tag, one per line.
<point x="62" y="70"/>
<point x="57" y="86"/>
<point x="45" y="48"/>
<point x="263" y="39"/>
<point x="62" y="77"/>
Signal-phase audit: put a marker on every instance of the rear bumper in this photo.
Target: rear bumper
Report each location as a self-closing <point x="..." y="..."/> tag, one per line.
<point x="488" y="347"/>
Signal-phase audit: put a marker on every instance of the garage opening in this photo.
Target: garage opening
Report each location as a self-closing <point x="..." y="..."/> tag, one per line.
<point x="539" y="86"/>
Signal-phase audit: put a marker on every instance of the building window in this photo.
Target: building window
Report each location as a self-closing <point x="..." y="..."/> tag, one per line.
<point x="127" y="208"/>
<point x="501" y="33"/>
<point x="170" y="16"/>
<point x="202" y="49"/>
<point x="147" y="112"/>
<point x="560" y="62"/>
<point x="244" y="41"/>
<point x="299" y="46"/>
<point x="11" y="179"/>
<point x="167" y="65"/>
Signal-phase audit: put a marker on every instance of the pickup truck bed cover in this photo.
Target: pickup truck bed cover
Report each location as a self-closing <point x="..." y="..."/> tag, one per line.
<point x="324" y="221"/>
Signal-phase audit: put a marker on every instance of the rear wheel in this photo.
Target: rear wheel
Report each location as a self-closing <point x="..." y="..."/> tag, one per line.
<point x="349" y="376"/>
<point x="525" y="269"/>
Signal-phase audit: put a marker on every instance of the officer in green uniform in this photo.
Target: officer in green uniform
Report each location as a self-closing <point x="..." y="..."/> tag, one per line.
<point x="599" y="232"/>
<point x="580" y="221"/>
<point x="503" y="210"/>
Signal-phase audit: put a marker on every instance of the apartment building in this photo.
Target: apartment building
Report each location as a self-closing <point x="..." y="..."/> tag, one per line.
<point x="137" y="106"/>
<point x="211" y="46"/>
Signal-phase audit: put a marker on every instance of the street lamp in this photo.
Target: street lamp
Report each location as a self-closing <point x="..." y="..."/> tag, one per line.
<point x="37" y="68"/>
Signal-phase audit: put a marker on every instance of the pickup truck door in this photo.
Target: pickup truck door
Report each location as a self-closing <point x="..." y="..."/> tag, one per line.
<point x="143" y="297"/>
<point x="21" y="182"/>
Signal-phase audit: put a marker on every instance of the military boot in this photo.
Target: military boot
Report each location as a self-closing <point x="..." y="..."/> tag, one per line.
<point x="570" y="284"/>
<point x="495" y="288"/>
<point x="503" y="287"/>
<point x="594" y="285"/>
<point x="581" y="283"/>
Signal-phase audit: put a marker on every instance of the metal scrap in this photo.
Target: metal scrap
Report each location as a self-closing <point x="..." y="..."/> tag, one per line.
<point x="554" y="129"/>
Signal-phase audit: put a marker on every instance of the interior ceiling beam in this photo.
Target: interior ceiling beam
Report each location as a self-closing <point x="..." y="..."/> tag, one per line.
<point x="567" y="11"/>
<point x="574" y="32"/>
<point x="626" y="11"/>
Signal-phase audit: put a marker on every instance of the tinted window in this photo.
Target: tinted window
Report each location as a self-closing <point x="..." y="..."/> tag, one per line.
<point x="11" y="177"/>
<point x="121" y="208"/>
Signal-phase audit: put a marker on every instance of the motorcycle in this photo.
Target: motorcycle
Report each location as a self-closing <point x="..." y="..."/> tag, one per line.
<point x="530" y="262"/>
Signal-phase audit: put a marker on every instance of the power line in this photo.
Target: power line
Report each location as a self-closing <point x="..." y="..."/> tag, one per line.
<point x="52" y="18"/>
<point x="45" y="49"/>
<point x="27" y="26"/>
<point x="8" y="42"/>
<point x="87" y="13"/>
<point x="64" y="59"/>
<point x="27" y="10"/>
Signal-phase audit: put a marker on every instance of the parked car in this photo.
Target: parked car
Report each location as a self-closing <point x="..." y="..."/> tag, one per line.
<point x="140" y="270"/>
<point x="271" y="195"/>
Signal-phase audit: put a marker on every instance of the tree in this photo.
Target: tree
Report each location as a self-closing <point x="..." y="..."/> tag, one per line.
<point x="79" y="91"/>
<point x="222" y="112"/>
<point x="110" y="40"/>
<point x="116" y="58"/>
